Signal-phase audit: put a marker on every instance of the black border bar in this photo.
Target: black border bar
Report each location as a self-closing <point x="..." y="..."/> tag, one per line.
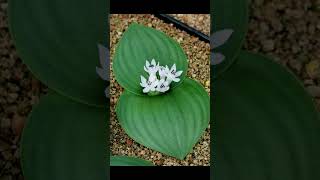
<point x="160" y="6"/>
<point x="160" y="172"/>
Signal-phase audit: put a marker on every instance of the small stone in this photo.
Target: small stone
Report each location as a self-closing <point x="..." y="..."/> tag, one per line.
<point x="159" y="162"/>
<point x="313" y="69"/>
<point x="7" y="155"/>
<point x="268" y="45"/>
<point x="295" y="64"/>
<point x="6" y="177"/>
<point x="129" y="142"/>
<point x="4" y="146"/>
<point x="5" y="123"/>
<point x="12" y="97"/>
<point x="314" y="91"/>
<point x="17" y="124"/>
<point x="4" y="6"/>
<point x="207" y="83"/>
<point x="308" y="82"/>
<point x="159" y="155"/>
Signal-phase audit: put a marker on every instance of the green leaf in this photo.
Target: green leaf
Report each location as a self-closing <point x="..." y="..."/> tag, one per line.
<point x="138" y="44"/>
<point x="128" y="161"/>
<point x="65" y="140"/>
<point x="58" y="42"/>
<point x="229" y="14"/>
<point x="265" y="124"/>
<point x="171" y="123"/>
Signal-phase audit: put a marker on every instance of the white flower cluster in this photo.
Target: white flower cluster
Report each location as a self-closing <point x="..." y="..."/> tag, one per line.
<point x="159" y="78"/>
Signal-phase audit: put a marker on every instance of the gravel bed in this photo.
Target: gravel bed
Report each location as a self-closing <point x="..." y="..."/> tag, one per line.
<point x="200" y="22"/>
<point x="198" y="53"/>
<point x="289" y="32"/>
<point x="19" y="90"/>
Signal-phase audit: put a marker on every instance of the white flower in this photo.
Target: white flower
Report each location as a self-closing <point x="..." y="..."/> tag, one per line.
<point x="163" y="72"/>
<point x="172" y="74"/>
<point x="163" y="86"/>
<point x="152" y="67"/>
<point x="159" y="78"/>
<point x="149" y="85"/>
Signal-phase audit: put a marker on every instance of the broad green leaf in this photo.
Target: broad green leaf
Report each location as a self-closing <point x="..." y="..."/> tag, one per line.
<point x="128" y="161"/>
<point x="265" y="125"/>
<point x="65" y="140"/>
<point x="58" y="42"/>
<point x="138" y="44"/>
<point x="171" y="123"/>
<point x="229" y="14"/>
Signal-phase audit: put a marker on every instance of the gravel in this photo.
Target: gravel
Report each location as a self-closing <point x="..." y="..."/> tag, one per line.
<point x="201" y="22"/>
<point x="19" y="90"/>
<point x="289" y="31"/>
<point x="198" y="53"/>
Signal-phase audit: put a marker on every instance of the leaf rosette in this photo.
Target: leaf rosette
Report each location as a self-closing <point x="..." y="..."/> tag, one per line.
<point x="170" y="122"/>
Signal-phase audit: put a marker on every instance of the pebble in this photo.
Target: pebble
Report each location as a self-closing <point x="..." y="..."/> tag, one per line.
<point x="314" y="91"/>
<point x="313" y="69"/>
<point x="4" y="146"/>
<point x="5" y="123"/>
<point x="17" y="124"/>
<point x="268" y="45"/>
<point x="12" y="97"/>
<point x="295" y="65"/>
<point x="4" y="6"/>
<point x="6" y="177"/>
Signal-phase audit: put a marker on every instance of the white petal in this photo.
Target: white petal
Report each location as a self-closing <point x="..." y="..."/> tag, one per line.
<point x="147" y="63"/>
<point x="152" y="89"/>
<point x="170" y="76"/>
<point x="178" y="73"/>
<point x="144" y="67"/>
<point x="146" y="89"/>
<point x="155" y="83"/>
<point x="143" y="79"/>
<point x="152" y="77"/>
<point x="173" y="67"/>
<point x="161" y="81"/>
<point x="167" y="68"/>
<point x="153" y="62"/>
<point x="176" y="79"/>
